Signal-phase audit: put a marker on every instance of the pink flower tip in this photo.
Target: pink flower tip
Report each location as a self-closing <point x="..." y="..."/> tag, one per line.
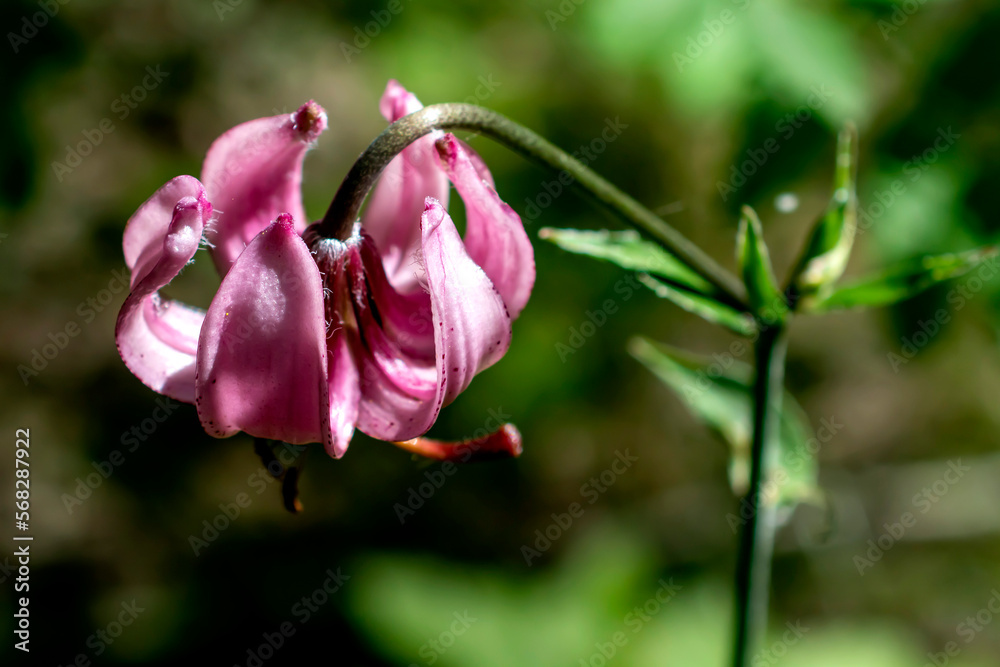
<point x="206" y="206"/>
<point x="199" y="203"/>
<point x="310" y="120"/>
<point x="286" y="221"/>
<point x="447" y="149"/>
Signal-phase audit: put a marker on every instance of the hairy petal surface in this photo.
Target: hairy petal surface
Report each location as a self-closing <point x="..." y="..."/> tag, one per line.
<point x="332" y="257"/>
<point x="494" y="236"/>
<point x="253" y="173"/>
<point x="262" y="355"/>
<point x="158" y="339"/>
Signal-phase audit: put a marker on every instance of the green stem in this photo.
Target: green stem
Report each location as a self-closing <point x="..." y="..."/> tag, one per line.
<point x="346" y="204"/>
<point x="753" y="568"/>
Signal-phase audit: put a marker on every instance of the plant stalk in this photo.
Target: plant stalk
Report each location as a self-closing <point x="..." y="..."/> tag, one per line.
<point x="753" y="567"/>
<point x="346" y="205"/>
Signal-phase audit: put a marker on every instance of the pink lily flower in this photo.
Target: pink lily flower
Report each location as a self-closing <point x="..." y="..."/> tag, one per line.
<point x="309" y="338"/>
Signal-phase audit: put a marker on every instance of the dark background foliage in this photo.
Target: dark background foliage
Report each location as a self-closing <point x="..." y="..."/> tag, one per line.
<point x="696" y="117"/>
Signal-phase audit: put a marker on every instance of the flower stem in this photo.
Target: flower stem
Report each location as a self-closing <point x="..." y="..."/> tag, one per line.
<point x="753" y="567"/>
<point x="344" y="209"/>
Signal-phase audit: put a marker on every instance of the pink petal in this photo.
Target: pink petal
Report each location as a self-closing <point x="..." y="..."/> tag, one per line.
<point x="158" y="339"/>
<point x="253" y="173"/>
<point x="477" y="161"/>
<point x="345" y="393"/>
<point x="142" y="242"/>
<point x="397" y="202"/>
<point x="397" y="102"/>
<point x="262" y="356"/>
<point x="342" y="370"/>
<point x="394" y="350"/>
<point x="494" y="236"/>
<point x="471" y="323"/>
<point x="471" y="331"/>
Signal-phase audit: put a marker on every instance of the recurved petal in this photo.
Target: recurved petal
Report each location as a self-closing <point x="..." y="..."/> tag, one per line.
<point x="262" y="356"/>
<point x="494" y="236"/>
<point x="142" y="241"/>
<point x="471" y="322"/>
<point x="253" y="173"/>
<point x="158" y="339"/>
<point x="470" y="326"/>
<point x="392" y="218"/>
<point x="397" y="102"/>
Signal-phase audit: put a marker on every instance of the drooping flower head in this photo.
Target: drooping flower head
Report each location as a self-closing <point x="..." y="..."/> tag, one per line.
<point x="309" y="338"/>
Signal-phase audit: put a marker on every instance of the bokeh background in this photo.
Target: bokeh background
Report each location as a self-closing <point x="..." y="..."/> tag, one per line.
<point x="449" y="583"/>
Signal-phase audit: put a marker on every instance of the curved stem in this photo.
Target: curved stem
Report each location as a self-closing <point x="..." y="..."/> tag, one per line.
<point x="347" y="202"/>
<point x="753" y="568"/>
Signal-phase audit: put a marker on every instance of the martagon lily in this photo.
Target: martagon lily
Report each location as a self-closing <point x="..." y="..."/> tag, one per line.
<point x="309" y="338"/>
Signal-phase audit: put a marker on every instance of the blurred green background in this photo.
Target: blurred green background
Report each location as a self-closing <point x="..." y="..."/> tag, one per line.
<point x="698" y="89"/>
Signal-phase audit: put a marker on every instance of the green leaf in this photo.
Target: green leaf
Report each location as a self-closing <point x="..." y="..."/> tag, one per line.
<point x="755" y="265"/>
<point x="717" y="390"/>
<point x="703" y="306"/>
<point x="902" y="281"/>
<point x="797" y="459"/>
<point x="402" y="599"/>
<point x="829" y="246"/>
<point x="629" y="251"/>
